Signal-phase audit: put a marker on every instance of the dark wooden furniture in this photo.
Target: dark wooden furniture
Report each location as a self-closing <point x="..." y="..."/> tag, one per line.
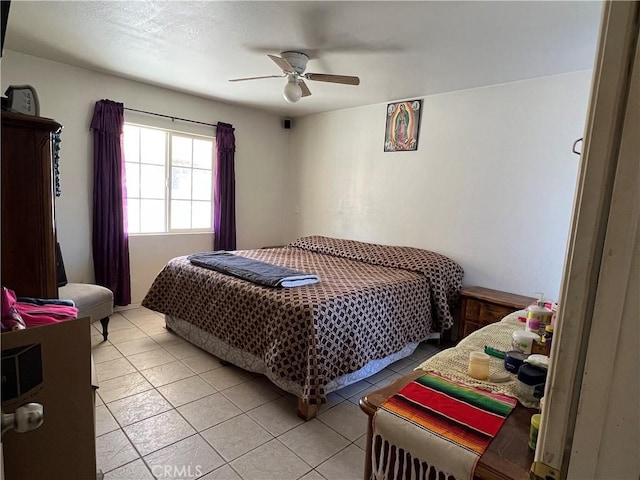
<point x="481" y="306"/>
<point x="28" y="219"/>
<point x="508" y="456"/>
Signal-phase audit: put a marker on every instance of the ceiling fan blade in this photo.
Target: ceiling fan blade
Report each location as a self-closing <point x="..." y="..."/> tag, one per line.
<point x="282" y="63"/>
<point x="323" y="77"/>
<point x="305" y="90"/>
<point x="256" y="78"/>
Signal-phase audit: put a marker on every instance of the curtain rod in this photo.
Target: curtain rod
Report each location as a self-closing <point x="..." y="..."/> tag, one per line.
<point x="172" y="118"/>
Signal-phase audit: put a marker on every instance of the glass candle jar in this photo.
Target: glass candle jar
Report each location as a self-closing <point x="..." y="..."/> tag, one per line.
<point x="533" y="431"/>
<point x="478" y="365"/>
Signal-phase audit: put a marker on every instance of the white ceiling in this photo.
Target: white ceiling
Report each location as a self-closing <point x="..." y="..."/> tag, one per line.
<point x="400" y="50"/>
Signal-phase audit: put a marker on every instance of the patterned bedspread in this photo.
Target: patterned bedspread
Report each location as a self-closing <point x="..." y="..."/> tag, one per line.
<point x="371" y="301"/>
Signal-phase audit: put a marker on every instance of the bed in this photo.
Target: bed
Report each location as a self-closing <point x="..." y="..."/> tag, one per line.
<point x="372" y="306"/>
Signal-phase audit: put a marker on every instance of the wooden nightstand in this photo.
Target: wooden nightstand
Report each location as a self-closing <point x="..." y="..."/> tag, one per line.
<point x="482" y="306"/>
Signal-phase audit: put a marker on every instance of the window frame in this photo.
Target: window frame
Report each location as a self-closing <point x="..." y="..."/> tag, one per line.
<point x="168" y="178"/>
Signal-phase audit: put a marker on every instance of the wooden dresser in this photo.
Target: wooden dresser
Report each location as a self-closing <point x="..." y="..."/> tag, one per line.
<point x="28" y="218"/>
<point x="481" y="306"/>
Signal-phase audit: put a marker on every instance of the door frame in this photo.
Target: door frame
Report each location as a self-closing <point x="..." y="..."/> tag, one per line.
<point x="586" y="286"/>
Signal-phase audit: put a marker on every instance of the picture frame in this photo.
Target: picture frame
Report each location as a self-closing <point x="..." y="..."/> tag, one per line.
<point x="403" y="126"/>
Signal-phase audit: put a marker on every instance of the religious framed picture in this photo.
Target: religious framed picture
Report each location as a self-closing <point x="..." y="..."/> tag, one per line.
<point x="403" y="126"/>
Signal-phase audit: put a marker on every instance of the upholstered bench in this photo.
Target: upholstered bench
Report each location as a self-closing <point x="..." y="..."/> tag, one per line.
<point x="92" y="301"/>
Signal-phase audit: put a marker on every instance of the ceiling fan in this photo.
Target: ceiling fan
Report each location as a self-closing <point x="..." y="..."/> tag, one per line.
<point x="293" y="65"/>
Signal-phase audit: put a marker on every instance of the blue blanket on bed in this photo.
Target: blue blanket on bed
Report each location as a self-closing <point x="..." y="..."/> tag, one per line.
<point x="252" y="270"/>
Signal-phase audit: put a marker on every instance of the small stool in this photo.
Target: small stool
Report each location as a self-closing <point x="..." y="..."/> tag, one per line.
<point x="92" y="301"/>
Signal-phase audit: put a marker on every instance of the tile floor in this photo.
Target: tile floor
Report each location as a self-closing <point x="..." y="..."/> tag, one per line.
<point x="166" y="409"/>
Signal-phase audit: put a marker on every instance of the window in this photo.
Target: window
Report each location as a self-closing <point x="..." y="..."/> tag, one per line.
<point x="169" y="180"/>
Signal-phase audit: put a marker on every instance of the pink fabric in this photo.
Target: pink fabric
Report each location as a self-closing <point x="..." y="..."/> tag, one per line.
<point x="17" y="315"/>
<point x="11" y="319"/>
<point x="38" y="315"/>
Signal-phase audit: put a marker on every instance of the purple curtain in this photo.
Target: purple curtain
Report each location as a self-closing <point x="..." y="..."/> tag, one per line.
<point x="224" y="199"/>
<point x="110" y="239"/>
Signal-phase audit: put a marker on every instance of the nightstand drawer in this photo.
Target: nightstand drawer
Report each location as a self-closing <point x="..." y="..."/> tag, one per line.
<point x="490" y="312"/>
<point x="484" y="312"/>
<point x="482" y="306"/>
<point x="470" y="327"/>
<point x="472" y="309"/>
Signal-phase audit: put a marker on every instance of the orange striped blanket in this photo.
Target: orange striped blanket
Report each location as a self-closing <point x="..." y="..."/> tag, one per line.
<point x="435" y="426"/>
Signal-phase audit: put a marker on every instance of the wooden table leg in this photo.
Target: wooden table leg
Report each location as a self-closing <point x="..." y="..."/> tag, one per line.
<point x="367" y="457"/>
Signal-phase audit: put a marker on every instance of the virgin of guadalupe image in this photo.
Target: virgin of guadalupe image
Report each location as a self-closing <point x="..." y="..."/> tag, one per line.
<point x="401" y="126"/>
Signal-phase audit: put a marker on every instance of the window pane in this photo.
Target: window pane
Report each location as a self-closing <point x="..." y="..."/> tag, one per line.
<point x="181" y="183"/>
<point x="152" y="181"/>
<point x="181" y="151"/>
<point x="202" y="185"/>
<point x="180" y="214"/>
<point x="201" y="215"/>
<point x="132" y="172"/>
<point x="133" y="215"/>
<point x="153" y="146"/>
<point x="152" y="216"/>
<point x="202" y="153"/>
<point x="151" y="155"/>
<point x="131" y="143"/>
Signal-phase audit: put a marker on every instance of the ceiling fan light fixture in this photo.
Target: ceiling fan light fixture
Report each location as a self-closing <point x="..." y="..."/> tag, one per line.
<point x="293" y="66"/>
<point x="292" y="91"/>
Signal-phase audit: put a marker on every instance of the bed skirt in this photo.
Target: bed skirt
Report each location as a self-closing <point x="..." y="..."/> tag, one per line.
<point x="252" y="363"/>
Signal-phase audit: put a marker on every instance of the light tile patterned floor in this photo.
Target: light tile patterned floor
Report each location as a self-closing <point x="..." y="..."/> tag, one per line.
<point x="166" y="409"/>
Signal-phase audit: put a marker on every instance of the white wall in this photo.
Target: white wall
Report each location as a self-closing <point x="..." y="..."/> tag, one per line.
<point x="68" y="95"/>
<point x="491" y="184"/>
